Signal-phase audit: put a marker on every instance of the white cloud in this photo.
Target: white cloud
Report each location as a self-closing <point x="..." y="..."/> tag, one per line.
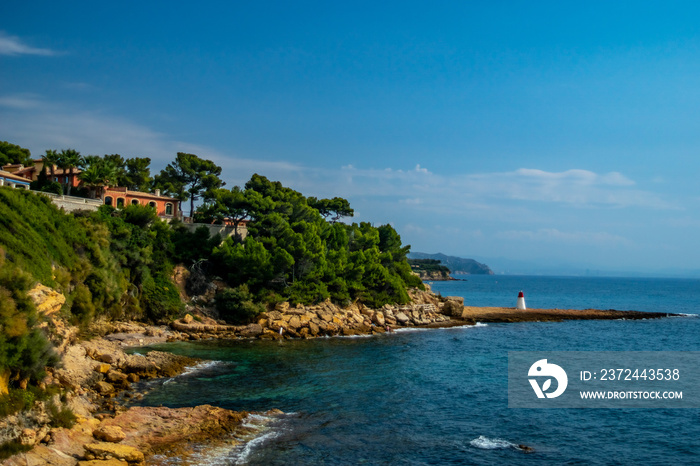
<point x="31" y="122"/>
<point x="13" y="45"/>
<point x="576" y="187"/>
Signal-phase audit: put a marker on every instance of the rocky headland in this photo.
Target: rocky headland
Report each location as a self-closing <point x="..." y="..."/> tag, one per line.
<point x="97" y="375"/>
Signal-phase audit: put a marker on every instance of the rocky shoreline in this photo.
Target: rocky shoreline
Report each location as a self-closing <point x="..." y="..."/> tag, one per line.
<point x="93" y="375"/>
<point x="97" y="373"/>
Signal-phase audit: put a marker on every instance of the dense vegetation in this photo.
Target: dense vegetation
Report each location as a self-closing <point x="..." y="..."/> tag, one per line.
<point x="111" y="263"/>
<point x="293" y="253"/>
<point x="428" y="266"/>
<point x="118" y="263"/>
<point x="12" y="153"/>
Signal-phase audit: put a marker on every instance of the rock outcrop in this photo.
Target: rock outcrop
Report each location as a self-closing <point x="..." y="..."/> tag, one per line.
<point x="328" y="319"/>
<point x="46" y="300"/>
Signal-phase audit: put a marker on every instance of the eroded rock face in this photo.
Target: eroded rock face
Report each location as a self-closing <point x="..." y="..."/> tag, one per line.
<point x="46" y="300"/>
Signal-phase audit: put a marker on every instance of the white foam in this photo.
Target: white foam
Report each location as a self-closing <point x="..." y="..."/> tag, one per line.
<point x="409" y="329"/>
<point x="366" y="335"/>
<point x="486" y="443"/>
<point x="251" y="445"/>
<point x="200" y="366"/>
<point x="258" y="433"/>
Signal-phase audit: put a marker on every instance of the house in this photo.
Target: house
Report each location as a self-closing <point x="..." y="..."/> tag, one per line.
<point x="32" y="173"/>
<point x="166" y="207"/>
<point x="12" y="180"/>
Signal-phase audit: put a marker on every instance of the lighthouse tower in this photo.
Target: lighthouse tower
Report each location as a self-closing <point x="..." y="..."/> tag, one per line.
<point x="521" y="301"/>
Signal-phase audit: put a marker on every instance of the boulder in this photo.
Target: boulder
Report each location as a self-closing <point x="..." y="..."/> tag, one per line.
<point x="28" y="437"/>
<point x="378" y="319"/>
<point x="110" y="462"/>
<point x="103" y="368"/>
<point x="364" y="329"/>
<point x="402" y="318"/>
<point x="294" y="322"/>
<point x="282" y="307"/>
<point x="313" y="328"/>
<point x="454" y="306"/>
<point x="252" y="330"/>
<point x="113" y="434"/>
<point x="104" y="450"/>
<point x="275" y="315"/>
<point x="275" y="325"/>
<point x="104" y="388"/>
<point x="117" y="378"/>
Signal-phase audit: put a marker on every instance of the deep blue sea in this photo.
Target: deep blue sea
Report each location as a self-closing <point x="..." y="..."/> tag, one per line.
<point x="440" y="396"/>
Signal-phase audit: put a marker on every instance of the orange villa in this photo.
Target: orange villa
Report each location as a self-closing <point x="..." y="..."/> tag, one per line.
<point x="166" y="207"/>
<point x="17" y="175"/>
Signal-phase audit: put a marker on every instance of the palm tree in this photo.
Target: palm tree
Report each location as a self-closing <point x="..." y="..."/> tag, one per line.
<point x="50" y="160"/>
<point x="69" y="159"/>
<point x="97" y="172"/>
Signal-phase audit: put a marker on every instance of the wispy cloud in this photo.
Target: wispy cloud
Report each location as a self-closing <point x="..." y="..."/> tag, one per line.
<point x="13" y="45"/>
<point x="576" y="187"/>
<point x="553" y="234"/>
<point x="40" y="125"/>
<point x="20" y="102"/>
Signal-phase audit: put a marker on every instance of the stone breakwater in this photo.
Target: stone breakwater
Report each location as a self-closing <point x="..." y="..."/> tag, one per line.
<point x="427" y="311"/>
<point x="328" y="319"/>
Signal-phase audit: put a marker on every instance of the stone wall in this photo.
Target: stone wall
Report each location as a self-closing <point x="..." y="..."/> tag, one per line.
<point x="71" y="203"/>
<point x="224" y="230"/>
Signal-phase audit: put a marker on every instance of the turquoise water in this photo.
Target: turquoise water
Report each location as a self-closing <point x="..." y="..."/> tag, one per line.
<point x="440" y="396"/>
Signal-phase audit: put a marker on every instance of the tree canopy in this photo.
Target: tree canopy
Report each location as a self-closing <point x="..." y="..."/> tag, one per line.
<point x="293" y="253"/>
<point x="12" y="153"/>
<point x="189" y="177"/>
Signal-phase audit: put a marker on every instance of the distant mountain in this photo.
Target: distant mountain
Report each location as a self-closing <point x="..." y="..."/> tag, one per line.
<point x="457" y="265"/>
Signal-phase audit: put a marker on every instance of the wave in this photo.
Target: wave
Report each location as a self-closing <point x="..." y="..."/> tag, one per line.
<point x="200" y="367"/>
<point x="486" y="443"/>
<point x="256" y="431"/>
<point x="189" y="370"/>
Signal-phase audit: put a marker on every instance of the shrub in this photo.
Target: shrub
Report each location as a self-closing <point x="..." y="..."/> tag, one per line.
<point x="11" y="448"/>
<point x="60" y="417"/>
<point x="161" y="298"/>
<point x="235" y="305"/>
<point x="82" y="308"/>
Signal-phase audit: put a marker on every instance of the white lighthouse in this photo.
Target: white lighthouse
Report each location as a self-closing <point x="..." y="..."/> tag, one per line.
<point x="521" y="301"/>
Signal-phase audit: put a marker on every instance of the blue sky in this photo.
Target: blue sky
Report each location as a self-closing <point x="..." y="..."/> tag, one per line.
<point x="544" y="132"/>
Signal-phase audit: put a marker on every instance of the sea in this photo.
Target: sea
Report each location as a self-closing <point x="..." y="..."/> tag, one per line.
<point x="440" y="396"/>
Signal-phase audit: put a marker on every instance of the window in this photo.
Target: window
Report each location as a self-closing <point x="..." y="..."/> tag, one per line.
<point x="168" y="209"/>
<point x="108" y="200"/>
<point x="120" y="202"/>
<point x="153" y="204"/>
<point x="134" y="202"/>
